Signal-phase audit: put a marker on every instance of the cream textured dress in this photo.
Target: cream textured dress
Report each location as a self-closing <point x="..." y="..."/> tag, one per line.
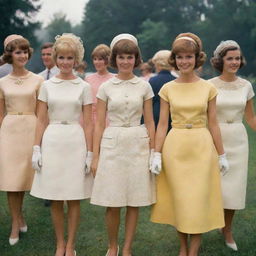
<point x="231" y="101"/>
<point x="123" y="177"/>
<point x="62" y="176"/>
<point x="188" y="188"/>
<point x="17" y="131"/>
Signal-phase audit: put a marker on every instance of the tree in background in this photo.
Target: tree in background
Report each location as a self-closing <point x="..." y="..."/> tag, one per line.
<point x="157" y="23"/>
<point x="17" y="18"/>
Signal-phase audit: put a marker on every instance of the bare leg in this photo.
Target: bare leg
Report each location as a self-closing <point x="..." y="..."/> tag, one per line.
<point x="183" y="243"/>
<point x="130" y="228"/>
<point x="22" y="221"/>
<point x="57" y="212"/>
<point x="227" y="230"/>
<point x="73" y="221"/>
<point x="195" y="242"/>
<point x="15" y="200"/>
<point x="113" y="222"/>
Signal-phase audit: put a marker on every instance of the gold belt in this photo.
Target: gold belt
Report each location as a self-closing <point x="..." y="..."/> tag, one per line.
<point x="20" y="113"/>
<point x="65" y="122"/>
<point x="188" y="126"/>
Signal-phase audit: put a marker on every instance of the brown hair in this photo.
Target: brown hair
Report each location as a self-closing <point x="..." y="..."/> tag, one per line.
<point x="101" y="51"/>
<point x="217" y="61"/>
<point x="21" y="43"/>
<point x="125" y="46"/>
<point x="47" y="45"/>
<point x="185" y="45"/>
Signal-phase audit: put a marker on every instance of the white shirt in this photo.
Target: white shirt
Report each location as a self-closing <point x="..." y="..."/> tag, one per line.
<point x="53" y="71"/>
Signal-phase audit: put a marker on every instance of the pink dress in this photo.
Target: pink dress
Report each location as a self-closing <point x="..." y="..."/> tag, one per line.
<point x="95" y="80"/>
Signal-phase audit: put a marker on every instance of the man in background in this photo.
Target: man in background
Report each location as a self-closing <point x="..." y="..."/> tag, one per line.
<point x="50" y="67"/>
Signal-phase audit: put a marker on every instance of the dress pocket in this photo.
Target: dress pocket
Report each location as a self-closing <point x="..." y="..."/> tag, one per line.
<point x="108" y="141"/>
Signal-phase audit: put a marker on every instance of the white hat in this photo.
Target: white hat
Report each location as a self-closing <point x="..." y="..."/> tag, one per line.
<point x="223" y="45"/>
<point x="121" y="37"/>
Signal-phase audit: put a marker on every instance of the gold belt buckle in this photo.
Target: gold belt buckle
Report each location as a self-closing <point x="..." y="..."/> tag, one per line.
<point x="188" y="126"/>
<point x="230" y="121"/>
<point x="20" y="113"/>
<point x="64" y="122"/>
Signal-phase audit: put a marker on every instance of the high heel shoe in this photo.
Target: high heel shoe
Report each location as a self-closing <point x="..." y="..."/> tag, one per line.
<point x="24" y="229"/>
<point x="13" y="241"/>
<point x="232" y="246"/>
<point x="116" y="253"/>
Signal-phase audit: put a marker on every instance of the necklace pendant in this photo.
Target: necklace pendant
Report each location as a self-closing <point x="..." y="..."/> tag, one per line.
<point x="19" y="81"/>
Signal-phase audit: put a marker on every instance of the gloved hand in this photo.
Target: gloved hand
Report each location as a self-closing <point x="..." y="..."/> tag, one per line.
<point x="156" y="163"/>
<point x="151" y="157"/>
<point x="223" y="164"/>
<point x="37" y="158"/>
<point x="88" y="162"/>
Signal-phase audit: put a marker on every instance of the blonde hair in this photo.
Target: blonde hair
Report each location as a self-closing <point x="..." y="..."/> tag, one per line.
<point x="161" y="58"/>
<point x="68" y="42"/>
<point x="101" y="51"/>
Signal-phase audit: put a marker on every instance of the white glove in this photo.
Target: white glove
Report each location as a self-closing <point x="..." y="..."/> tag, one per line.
<point x="151" y="157"/>
<point x="88" y="162"/>
<point x="36" y="158"/>
<point x="223" y="164"/>
<point x="156" y="163"/>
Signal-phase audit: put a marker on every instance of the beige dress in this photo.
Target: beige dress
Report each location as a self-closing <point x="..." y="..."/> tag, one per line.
<point x="17" y="131"/>
<point x="123" y="177"/>
<point x="62" y="176"/>
<point x="231" y="101"/>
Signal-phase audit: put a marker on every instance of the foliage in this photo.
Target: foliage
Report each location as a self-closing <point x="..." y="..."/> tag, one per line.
<point x="17" y="18"/>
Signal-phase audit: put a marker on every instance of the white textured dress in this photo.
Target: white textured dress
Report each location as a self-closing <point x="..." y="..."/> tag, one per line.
<point x="231" y="101"/>
<point x="62" y="176"/>
<point x="123" y="177"/>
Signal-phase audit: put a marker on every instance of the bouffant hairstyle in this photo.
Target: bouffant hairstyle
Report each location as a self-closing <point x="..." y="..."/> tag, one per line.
<point x="187" y="42"/>
<point x="217" y="60"/>
<point x="101" y="51"/>
<point x="125" y="46"/>
<point x="68" y="43"/>
<point x="161" y="59"/>
<point x="20" y="43"/>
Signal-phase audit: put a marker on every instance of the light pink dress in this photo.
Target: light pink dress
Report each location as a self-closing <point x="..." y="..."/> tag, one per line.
<point x="95" y="80"/>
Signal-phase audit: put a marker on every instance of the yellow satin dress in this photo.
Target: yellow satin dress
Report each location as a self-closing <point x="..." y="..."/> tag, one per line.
<point x="188" y="188"/>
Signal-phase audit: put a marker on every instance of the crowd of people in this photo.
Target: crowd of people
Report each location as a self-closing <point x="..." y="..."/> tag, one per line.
<point x="169" y="139"/>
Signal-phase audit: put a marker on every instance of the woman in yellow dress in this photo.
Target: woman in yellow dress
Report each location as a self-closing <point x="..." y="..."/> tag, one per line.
<point x="188" y="188"/>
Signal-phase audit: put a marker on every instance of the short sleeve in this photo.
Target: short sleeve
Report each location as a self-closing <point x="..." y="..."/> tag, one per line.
<point x="41" y="80"/>
<point x="250" y="94"/>
<point x="212" y="93"/>
<point x="43" y="94"/>
<point x="148" y="92"/>
<point x="102" y="93"/>
<point x="87" y="94"/>
<point x="163" y="93"/>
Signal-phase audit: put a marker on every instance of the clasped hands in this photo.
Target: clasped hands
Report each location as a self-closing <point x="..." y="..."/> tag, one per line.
<point x="37" y="159"/>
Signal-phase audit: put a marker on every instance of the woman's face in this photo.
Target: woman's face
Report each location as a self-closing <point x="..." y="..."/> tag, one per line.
<point x="185" y="62"/>
<point x="19" y="57"/>
<point x="65" y="62"/>
<point x="125" y="63"/>
<point x="99" y="64"/>
<point x="232" y="61"/>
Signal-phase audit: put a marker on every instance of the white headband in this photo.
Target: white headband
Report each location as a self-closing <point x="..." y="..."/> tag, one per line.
<point x="186" y="38"/>
<point x="223" y="45"/>
<point x="121" y="37"/>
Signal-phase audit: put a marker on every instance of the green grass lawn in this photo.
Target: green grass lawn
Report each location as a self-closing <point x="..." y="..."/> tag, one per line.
<point x="151" y="239"/>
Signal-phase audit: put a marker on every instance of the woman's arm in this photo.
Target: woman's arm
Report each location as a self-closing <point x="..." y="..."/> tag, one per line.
<point x="214" y="126"/>
<point x="88" y="125"/>
<point x="42" y="121"/>
<point x="98" y="131"/>
<point x="250" y="114"/>
<point x="149" y="121"/>
<point x="2" y="108"/>
<point x="162" y="125"/>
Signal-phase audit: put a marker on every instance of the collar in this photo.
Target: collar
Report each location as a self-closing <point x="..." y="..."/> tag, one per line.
<point x="134" y="80"/>
<point x="57" y="80"/>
